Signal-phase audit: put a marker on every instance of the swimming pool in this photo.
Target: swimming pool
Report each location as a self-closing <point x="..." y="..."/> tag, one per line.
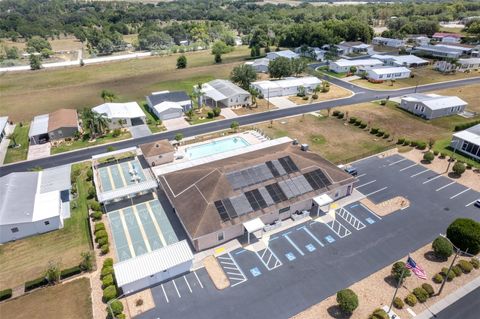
<point x="215" y="147"/>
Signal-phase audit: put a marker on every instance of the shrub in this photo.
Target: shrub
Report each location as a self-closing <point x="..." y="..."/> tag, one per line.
<point x="398" y="303"/>
<point x="105" y="249"/>
<point x="475" y="263"/>
<point x="305" y="98"/>
<point x="363" y="125"/>
<point x="96" y="215"/>
<point x="464" y="233"/>
<point x="352" y="120"/>
<point x="442" y="247"/>
<point x="457" y="270"/>
<point x="386" y="135"/>
<point x="314" y="96"/>
<point x="464" y="126"/>
<point x="429" y="289"/>
<point x="210" y="115"/>
<point x="428" y="157"/>
<point x="413" y="143"/>
<point x="397" y="270"/>
<point x="100" y="234"/>
<point x="138" y="302"/>
<point x="383" y="102"/>
<point x="102" y="241"/>
<point x="32" y="284"/>
<point x="69" y="272"/>
<point x="5" y="294"/>
<point x="91" y="192"/>
<point x="443" y="155"/>
<point x="335" y="113"/>
<point x="94" y="205"/>
<point x="107" y="281"/>
<point x="108" y="262"/>
<point x="438" y="279"/>
<point x="373" y="130"/>
<point x="380" y="133"/>
<point x="451" y="274"/>
<point x="106" y="271"/>
<point x="379" y="314"/>
<point x="421" y="294"/>
<point x="469" y="166"/>
<point x="347" y="300"/>
<point x="421" y="145"/>
<point x="458" y="168"/>
<point x="109" y="293"/>
<point x="340" y="115"/>
<point x="465" y="266"/>
<point x="99" y="226"/>
<point x="407" y="142"/>
<point x="401" y="140"/>
<point x="116" y="307"/>
<point x="411" y="300"/>
<point x="435" y="153"/>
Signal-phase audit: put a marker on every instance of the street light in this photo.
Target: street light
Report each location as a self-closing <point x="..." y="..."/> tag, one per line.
<point x="454" y="149"/>
<point x="457" y="251"/>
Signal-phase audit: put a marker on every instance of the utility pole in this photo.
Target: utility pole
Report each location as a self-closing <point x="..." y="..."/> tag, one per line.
<point x="396" y="289"/>
<point x="453" y="155"/>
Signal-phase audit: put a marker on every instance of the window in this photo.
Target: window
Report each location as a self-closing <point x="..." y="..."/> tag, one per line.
<point x="423" y="109"/>
<point x="47" y="223"/>
<point x="220" y="236"/>
<point x="14" y="230"/>
<point x="416" y="106"/>
<point x="284" y="210"/>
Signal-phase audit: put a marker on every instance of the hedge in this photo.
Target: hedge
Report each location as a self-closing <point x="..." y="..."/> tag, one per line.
<point x="109" y="293"/>
<point x="108" y="262"/>
<point x="465" y="266"/>
<point x="105" y="249"/>
<point x="32" y="284"/>
<point x="5" y="294"/>
<point x="100" y="234"/>
<point x="117" y="308"/>
<point x="94" y="205"/>
<point x="99" y="226"/>
<point x="69" y="272"/>
<point x="102" y="241"/>
<point x="421" y="294"/>
<point x="464" y="126"/>
<point x="106" y="271"/>
<point x="107" y="281"/>
<point x="96" y="215"/>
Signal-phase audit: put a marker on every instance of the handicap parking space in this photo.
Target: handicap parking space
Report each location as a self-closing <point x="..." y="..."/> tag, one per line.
<point x="306" y="240"/>
<point x="235" y="274"/>
<point x="362" y="213"/>
<point x="283" y="248"/>
<point x="269" y="258"/>
<point x="349" y="220"/>
<point x="249" y="262"/>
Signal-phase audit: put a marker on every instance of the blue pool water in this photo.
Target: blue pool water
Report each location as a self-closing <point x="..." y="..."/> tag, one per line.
<point x="215" y="147"/>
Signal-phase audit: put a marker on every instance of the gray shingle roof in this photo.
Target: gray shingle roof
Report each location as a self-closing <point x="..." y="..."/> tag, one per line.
<point x="177" y="96"/>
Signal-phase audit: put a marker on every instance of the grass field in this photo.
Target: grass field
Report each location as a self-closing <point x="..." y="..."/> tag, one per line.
<point x="131" y="80"/>
<point x="424" y="75"/>
<point x="69" y="300"/>
<point x="26" y="259"/>
<point x="335" y="92"/>
<point x="328" y="137"/>
<point x="78" y="144"/>
<point x="152" y="119"/>
<point x="20" y="153"/>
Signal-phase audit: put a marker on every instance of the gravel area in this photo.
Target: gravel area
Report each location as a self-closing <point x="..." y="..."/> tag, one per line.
<point x="388" y="206"/>
<point x="377" y="290"/>
<point x="216" y="273"/>
<point x="135" y="307"/>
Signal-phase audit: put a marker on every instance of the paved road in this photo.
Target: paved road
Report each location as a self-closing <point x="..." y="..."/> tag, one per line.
<point x="361" y="95"/>
<point x="466" y="308"/>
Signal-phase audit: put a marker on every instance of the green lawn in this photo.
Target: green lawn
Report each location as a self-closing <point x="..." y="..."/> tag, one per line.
<point x="331" y="73"/>
<point x="201" y="116"/>
<point x="18" y="153"/>
<point x="443" y="146"/>
<point x="181" y="85"/>
<point x="26" y="259"/>
<point x="152" y="119"/>
<point x="75" y="145"/>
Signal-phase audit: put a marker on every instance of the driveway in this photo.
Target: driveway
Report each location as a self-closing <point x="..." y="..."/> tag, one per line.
<point x="282" y="102"/>
<point x="38" y="151"/>
<point x="140" y="131"/>
<point x="228" y="113"/>
<point x="175" y="124"/>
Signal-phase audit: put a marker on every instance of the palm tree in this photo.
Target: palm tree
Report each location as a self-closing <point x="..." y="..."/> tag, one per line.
<point x="87" y="116"/>
<point x="198" y="94"/>
<point x="95" y="122"/>
<point x="107" y="95"/>
<point x="254" y="93"/>
<point x="100" y="122"/>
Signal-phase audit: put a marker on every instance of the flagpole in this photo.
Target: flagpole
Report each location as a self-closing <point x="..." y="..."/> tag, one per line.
<point x="398" y="286"/>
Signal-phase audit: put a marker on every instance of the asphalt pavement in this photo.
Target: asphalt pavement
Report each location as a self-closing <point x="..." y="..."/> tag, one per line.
<point x="466" y="308"/>
<point x="361" y="95"/>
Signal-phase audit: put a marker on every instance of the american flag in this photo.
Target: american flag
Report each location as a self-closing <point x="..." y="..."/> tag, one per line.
<point x="417" y="270"/>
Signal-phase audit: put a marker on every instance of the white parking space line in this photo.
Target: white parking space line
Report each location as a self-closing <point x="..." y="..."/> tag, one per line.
<point x="165" y="294"/>
<point x="271" y="255"/>
<point x="178" y="292"/>
<point x="312" y="235"/>
<point x="444" y="186"/>
<point x="377" y="191"/>
<point x="391" y="164"/>
<point x="432" y="179"/>
<point x="198" y="279"/>
<point x="338" y="230"/>
<point x="427" y="170"/>
<point x="351" y="219"/>
<point x="368" y="183"/>
<point x="469" y="204"/>
<point x="464" y="191"/>
<point x="361" y="175"/>
<point x="407" y="167"/>
<point x="293" y="244"/>
<point x="188" y="285"/>
<point x="240" y="273"/>
<point x="370" y="211"/>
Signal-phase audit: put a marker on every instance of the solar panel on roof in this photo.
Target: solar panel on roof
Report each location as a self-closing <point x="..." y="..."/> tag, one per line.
<point x="240" y="204"/>
<point x="229" y="207"/>
<point x="276" y="193"/>
<point x="279" y="167"/>
<point x="272" y="169"/>
<point x="288" y="164"/>
<point x="221" y="210"/>
<point x="259" y="198"/>
<point x="317" y="179"/>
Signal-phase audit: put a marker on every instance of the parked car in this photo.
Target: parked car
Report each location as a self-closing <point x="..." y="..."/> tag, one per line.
<point x="477" y="203"/>
<point x="351" y="170"/>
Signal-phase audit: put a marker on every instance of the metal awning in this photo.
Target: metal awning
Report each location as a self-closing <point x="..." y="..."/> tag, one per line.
<point x="253" y="225"/>
<point x="323" y="200"/>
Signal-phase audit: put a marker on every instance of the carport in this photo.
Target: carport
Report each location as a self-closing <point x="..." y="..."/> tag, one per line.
<point x="253" y="226"/>
<point x="322" y="200"/>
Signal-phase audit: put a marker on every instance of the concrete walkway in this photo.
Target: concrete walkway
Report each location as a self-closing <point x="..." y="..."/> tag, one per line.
<point x="175" y="124"/>
<point x="39" y="151"/>
<point x="282" y="102"/>
<point x="228" y="113"/>
<point x="450" y="299"/>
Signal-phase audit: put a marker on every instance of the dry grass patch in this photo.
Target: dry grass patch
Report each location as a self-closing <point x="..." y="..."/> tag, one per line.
<point x="468" y="93"/>
<point x="139" y="303"/>
<point x="327" y="136"/>
<point x="63" y="301"/>
<point x="262" y="106"/>
<point x="216" y="273"/>
<point x="335" y="92"/>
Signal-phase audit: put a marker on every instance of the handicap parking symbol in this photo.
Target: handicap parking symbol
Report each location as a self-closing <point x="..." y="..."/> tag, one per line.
<point x="330" y="239"/>
<point x="255" y="272"/>
<point x="310" y="247"/>
<point x="290" y="256"/>
<point x="369" y="220"/>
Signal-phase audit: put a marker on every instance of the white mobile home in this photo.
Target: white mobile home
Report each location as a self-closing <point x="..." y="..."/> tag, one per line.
<point x="388" y="42"/>
<point x="259" y="65"/>
<point x="387" y="73"/>
<point x="285" y="87"/>
<point x="169" y="105"/>
<point x="344" y="65"/>
<point x="225" y="93"/>
<point x="312" y="53"/>
<point x="437" y="51"/>
<point x="430" y="106"/>
<point x="282" y="54"/>
<point x="401" y="60"/>
<point x="468" y="142"/>
<point x="357" y="47"/>
<point x="462" y="65"/>
<point x="121" y="114"/>
<point x="3" y="127"/>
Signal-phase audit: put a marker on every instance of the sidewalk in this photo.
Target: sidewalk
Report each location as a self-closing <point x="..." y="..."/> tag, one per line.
<point x="450" y="299"/>
<point x="5" y="142"/>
